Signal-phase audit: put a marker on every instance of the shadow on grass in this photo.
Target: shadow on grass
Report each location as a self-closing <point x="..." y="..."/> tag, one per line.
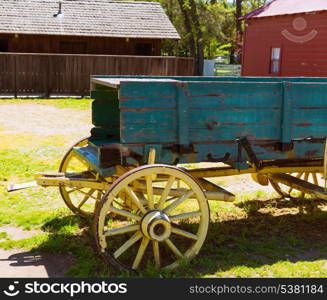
<point x="274" y="231"/>
<point x="54" y="264"/>
<point x="71" y="235"/>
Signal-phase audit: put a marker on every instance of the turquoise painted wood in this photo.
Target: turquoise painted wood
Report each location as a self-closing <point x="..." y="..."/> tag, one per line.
<point x="198" y="119"/>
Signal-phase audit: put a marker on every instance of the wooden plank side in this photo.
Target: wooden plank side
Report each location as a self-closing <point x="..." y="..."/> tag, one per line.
<point x="228" y="110"/>
<point x="309" y="95"/>
<point x="309" y="110"/>
<point x="148" y="112"/>
<point x="146" y="95"/>
<point x="225" y="125"/>
<point x="150" y="126"/>
<point x="235" y="94"/>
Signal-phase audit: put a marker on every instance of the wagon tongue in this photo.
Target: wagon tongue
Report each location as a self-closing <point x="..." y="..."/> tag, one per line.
<point x="26" y="185"/>
<point x="17" y="187"/>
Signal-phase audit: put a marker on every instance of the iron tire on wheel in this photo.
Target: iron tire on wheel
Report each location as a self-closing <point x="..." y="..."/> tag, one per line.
<point x="156" y="219"/>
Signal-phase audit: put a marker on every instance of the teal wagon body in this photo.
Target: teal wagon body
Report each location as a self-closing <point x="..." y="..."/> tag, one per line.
<point x="205" y="119"/>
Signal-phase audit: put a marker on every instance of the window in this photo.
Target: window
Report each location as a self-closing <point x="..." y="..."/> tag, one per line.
<point x="275" y="60"/>
<point x="3" y="45"/>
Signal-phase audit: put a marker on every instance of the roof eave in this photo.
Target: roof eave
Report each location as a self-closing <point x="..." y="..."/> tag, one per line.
<point x="172" y="37"/>
<point x="280" y="15"/>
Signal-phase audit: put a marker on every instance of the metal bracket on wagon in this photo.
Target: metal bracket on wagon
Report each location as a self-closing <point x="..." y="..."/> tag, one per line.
<point x="182" y="149"/>
<point x="243" y="143"/>
<point x="285" y="146"/>
<point x="116" y="154"/>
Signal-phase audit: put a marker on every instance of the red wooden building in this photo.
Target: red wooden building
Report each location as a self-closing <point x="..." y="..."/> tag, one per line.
<point x="286" y="38"/>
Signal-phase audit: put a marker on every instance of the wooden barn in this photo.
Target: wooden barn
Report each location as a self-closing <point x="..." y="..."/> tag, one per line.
<point x="51" y="47"/>
<point x="83" y="27"/>
<point x="286" y="38"/>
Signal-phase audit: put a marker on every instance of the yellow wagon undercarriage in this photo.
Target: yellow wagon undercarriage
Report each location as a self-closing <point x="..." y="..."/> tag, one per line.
<point x="150" y="202"/>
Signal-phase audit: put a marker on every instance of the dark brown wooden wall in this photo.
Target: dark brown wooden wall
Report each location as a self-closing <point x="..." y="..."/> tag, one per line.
<point x="57" y="74"/>
<point x="83" y="45"/>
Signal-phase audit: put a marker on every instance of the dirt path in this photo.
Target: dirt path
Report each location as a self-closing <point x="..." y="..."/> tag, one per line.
<point x="44" y="120"/>
<point x="17" y="263"/>
<point x="20" y="264"/>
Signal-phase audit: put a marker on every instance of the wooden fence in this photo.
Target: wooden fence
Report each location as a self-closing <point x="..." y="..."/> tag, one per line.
<point x="44" y="75"/>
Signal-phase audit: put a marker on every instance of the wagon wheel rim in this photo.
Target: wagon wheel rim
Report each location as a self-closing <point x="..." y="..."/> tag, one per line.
<point x="163" y="230"/>
<point x="286" y="191"/>
<point x="81" y="201"/>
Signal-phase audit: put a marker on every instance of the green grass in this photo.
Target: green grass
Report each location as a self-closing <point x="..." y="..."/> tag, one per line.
<point x="3" y="235"/>
<point x="257" y="236"/>
<point x="80" y="104"/>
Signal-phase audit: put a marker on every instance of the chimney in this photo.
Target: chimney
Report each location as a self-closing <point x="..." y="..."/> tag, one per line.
<point x="59" y="13"/>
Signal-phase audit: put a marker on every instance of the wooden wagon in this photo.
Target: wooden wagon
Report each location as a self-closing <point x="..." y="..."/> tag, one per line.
<point x="131" y="174"/>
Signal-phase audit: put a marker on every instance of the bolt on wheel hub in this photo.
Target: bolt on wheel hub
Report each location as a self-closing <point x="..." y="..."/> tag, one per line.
<point x="156" y="226"/>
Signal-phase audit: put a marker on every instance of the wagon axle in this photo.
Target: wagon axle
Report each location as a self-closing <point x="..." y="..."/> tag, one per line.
<point x="156" y="226"/>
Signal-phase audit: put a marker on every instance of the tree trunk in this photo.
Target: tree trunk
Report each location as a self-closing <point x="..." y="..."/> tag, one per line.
<point x="239" y="30"/>
<point x="199" y="38"/>
<point x="188" y="27"/>
<point x="190" y="34"/>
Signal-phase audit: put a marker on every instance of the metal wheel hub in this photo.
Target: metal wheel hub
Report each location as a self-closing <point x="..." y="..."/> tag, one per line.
<point x="156" y="226"/>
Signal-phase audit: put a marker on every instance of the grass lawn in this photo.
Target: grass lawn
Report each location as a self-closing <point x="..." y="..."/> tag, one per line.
<point x="257" y="236"/>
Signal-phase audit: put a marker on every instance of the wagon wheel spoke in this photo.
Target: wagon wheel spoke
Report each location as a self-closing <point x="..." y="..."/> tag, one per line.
<point x="145" y="223"/>
<point x="173" y="248"/>
<point x="306" y="177"/>
<point x="142" y="198"/>
<point x="99" y="195"/>
<point x="130" y="242"/>
<point x="178" y="202"/>
<point x="124" y="213"/>
<point x="315" y="179"/>
<point x="184" y="233"/>
<point x="166" y="191"/>
<point x="140" y="253"/>
<point x="299" y="175"/>
<point x="122" y="230"/>
<point x="86" y="197"/>
<point x="171" y="199"/>
<point x="89" y="195"/>
<point x="156" y="253"/>
<point x="73" y="190"/>
<point x="149" y="190"/>
<point x="186" y="216"/>
<point x="135" y="199"/>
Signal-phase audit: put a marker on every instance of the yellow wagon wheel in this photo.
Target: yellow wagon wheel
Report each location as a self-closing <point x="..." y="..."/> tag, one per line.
<point x="81" y="201"/>
<point x="288" y="192"/>
<point x="165" y="225"/>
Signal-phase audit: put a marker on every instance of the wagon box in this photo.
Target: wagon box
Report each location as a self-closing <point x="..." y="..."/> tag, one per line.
<point x="130" y="173"/>
<point x="187" y="120"/>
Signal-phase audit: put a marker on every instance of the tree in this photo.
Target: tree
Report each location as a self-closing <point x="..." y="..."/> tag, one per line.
<point x="208" y="28"/>
<point x="190" y="13"/>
